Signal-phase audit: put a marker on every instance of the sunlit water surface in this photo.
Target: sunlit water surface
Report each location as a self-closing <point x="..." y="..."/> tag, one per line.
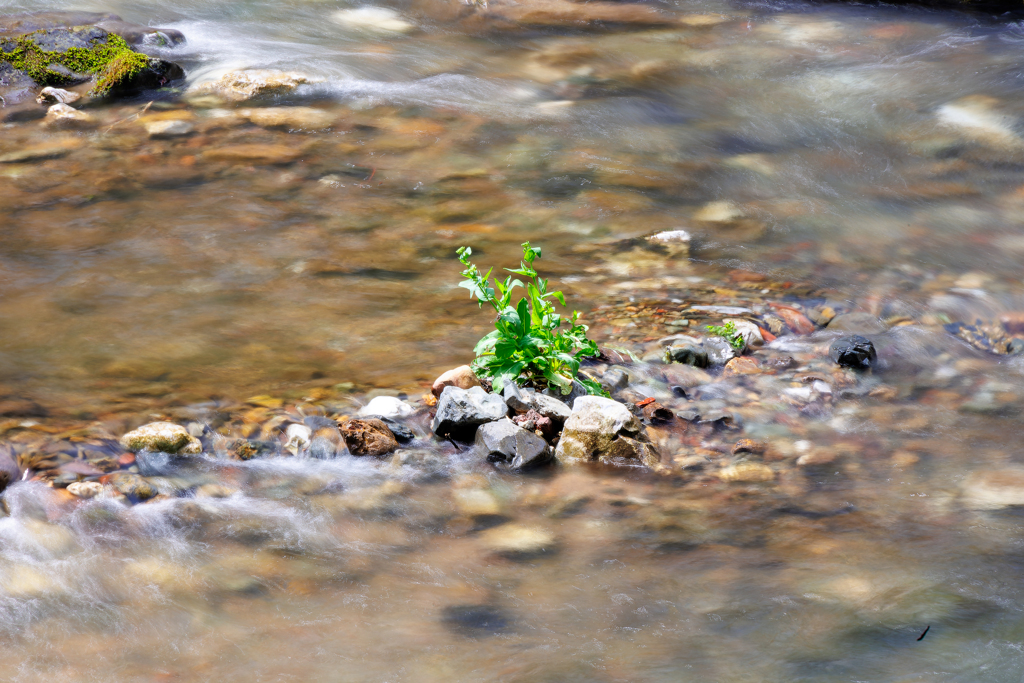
<point x="871" y="155"/>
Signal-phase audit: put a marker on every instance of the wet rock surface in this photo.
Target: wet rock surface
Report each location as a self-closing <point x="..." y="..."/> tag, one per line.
<point x="505" y="441"/>
<point x="368" y="437"/>
<point x="461" y="411"/>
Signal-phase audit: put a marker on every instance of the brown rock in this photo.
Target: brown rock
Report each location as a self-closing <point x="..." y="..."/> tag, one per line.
<point x="368" y="437"/>
<point x="254" y="154"/>
<point x="743" y="365"/>
<point x="461" y="377"/>
<point x="748" y="472"/>
<point x="796" y="320"/>
<point x="575" y="14"/>
<point x="749" y="446"/>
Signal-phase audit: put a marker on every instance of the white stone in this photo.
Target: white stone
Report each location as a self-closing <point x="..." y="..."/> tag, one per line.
<point x="85" y="489"/>
<point x="380" y="19"/>
<point x="168" y="129"/>
<point x="165" y="437"/>
<point x="63" y="115"/>
<point x="49" y="95"/>
<point x="298" y="436"/>
<point x="386" y="406"/>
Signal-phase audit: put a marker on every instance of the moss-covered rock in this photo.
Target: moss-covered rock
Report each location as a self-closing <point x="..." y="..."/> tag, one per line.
<point x="60" y="56"/>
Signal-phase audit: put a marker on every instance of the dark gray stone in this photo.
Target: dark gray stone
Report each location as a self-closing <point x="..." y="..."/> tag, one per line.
<point x="689" y="354"/>
<point x="505" y="441"/>
<point x="461" y="411"/>
<point x="134" y="34"/>
<point x="853" y="352"/>
<point x="402" y="433"/>
<point x="525" y="399"/>
<point x="615" y="379"/>
<point x="719" y="350"/>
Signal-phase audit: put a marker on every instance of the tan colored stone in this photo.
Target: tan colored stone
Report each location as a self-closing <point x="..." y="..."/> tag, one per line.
<point x="62" y="116"/>
<point x="517" y="539"/>
<point x="747" y="472"/>
<point x="244" y="85"/>
<point x="295" y="118"/>
<point x="368" y="436"/>
<point x="254" y="154"/>
<point x="461" y="377"/>
<point x="165" y="437"/>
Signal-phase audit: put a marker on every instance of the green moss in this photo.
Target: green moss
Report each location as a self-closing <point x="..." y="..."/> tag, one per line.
<point x="112" y="61"/>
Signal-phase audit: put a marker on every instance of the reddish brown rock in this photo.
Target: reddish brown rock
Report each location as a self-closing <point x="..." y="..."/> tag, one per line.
<point x="744" y="365"/>
<point x="797" y="321"/>
<point x="368" y="437"/>
<point x="461" y="377"/>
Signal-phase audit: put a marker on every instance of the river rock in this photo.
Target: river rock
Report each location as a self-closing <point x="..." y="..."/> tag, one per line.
<point x="602" y="429"/>
<point x="298" y="438"/>
<point x="676" y="242"/>
<point x="164" y="437"/>
<point x="63" y="116"/>
<point x="525" y="399"/>
<point x="614" y="379"/>
<point x="517" y="540"/>
<point x="171" y="128"/>
<point x="994" y="489"/>
<point x="720" y="351"/>
<point x="295" y="118"/>
<point x="238" y="86"/>
<point x="748" y="331"/>
<point x="747" y="472"/>
<point x="134" y="34"/>
<point x="386" y="406"/>
<point x="368" y="436"/>
<point x="688" y="354"/>
<point x="116" y="67"/>
<point x="378" y="19"/>
<point x="576" y="15"/>
<point x="856" y="323"/>
<point x="504" y="441"/>
<point x="325" y="438"/>
<point x="461" y="411"/>
<point x="50" y="95"/>
<point x="132" y="485"/>
<point x="85" y="489"/>
<point x="461" y="377"/>
<point x="254" y="154"/>
<point x="852" y="352"/>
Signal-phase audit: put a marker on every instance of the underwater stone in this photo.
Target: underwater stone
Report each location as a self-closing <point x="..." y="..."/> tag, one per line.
<point x="853" y="352"/>
<point x="689" y="354"/>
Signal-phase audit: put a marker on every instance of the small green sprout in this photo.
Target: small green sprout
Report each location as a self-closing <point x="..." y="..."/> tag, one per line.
<point x="529" y="345"/>
<point x="729" y="332"/>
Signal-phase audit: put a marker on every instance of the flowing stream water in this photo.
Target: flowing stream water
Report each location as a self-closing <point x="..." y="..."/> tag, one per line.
<point x="867" y="159"/>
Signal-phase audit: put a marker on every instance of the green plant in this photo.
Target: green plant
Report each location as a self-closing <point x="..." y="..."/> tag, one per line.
<point x="528" y="344"/>
<point x="729" y="332"/>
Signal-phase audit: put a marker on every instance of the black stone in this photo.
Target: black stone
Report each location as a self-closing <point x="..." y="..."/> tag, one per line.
<point x="402" y="433"/>
<point x="476" y="621"/>
<point x="689" y="354"/>
<point x="853" y="352"/>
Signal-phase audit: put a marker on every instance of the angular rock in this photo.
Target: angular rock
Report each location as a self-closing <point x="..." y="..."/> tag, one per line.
<point x="386" y="406"/>
<point x="401" y="432"/>
<point x="719" y="350"/>
<point x="163" y="437"/>
<point x="853" y="352"/>
<point x="461" y="411"/>
<point x="504" y="441"/>
<point x="602" y="429"/>
<point x="238" y="86"/>
<point x="525" y="399"/>
<point x="368" y="436"/>
<point x="461" y="377"/>
<point x="298" y="438"/>
<point x="532" y="421"/>
<point x="689" y="354"/>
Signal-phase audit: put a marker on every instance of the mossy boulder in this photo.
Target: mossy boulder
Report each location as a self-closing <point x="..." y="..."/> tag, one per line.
<point x="64" y="56"/>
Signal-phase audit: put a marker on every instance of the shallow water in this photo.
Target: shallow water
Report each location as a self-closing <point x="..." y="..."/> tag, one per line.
<point x="863" y="157"/>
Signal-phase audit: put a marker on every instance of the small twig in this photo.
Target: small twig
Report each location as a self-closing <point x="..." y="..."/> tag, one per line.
<point x="129" y="118"/>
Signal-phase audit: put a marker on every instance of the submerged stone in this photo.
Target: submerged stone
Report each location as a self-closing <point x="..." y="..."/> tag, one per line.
<point x="853" y="352"/>
<point x="688" y="354"/>
<point x="476" y="621"/>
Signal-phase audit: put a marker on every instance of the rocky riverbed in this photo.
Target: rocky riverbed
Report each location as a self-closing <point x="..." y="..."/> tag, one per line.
<point x="238" y="439"/>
